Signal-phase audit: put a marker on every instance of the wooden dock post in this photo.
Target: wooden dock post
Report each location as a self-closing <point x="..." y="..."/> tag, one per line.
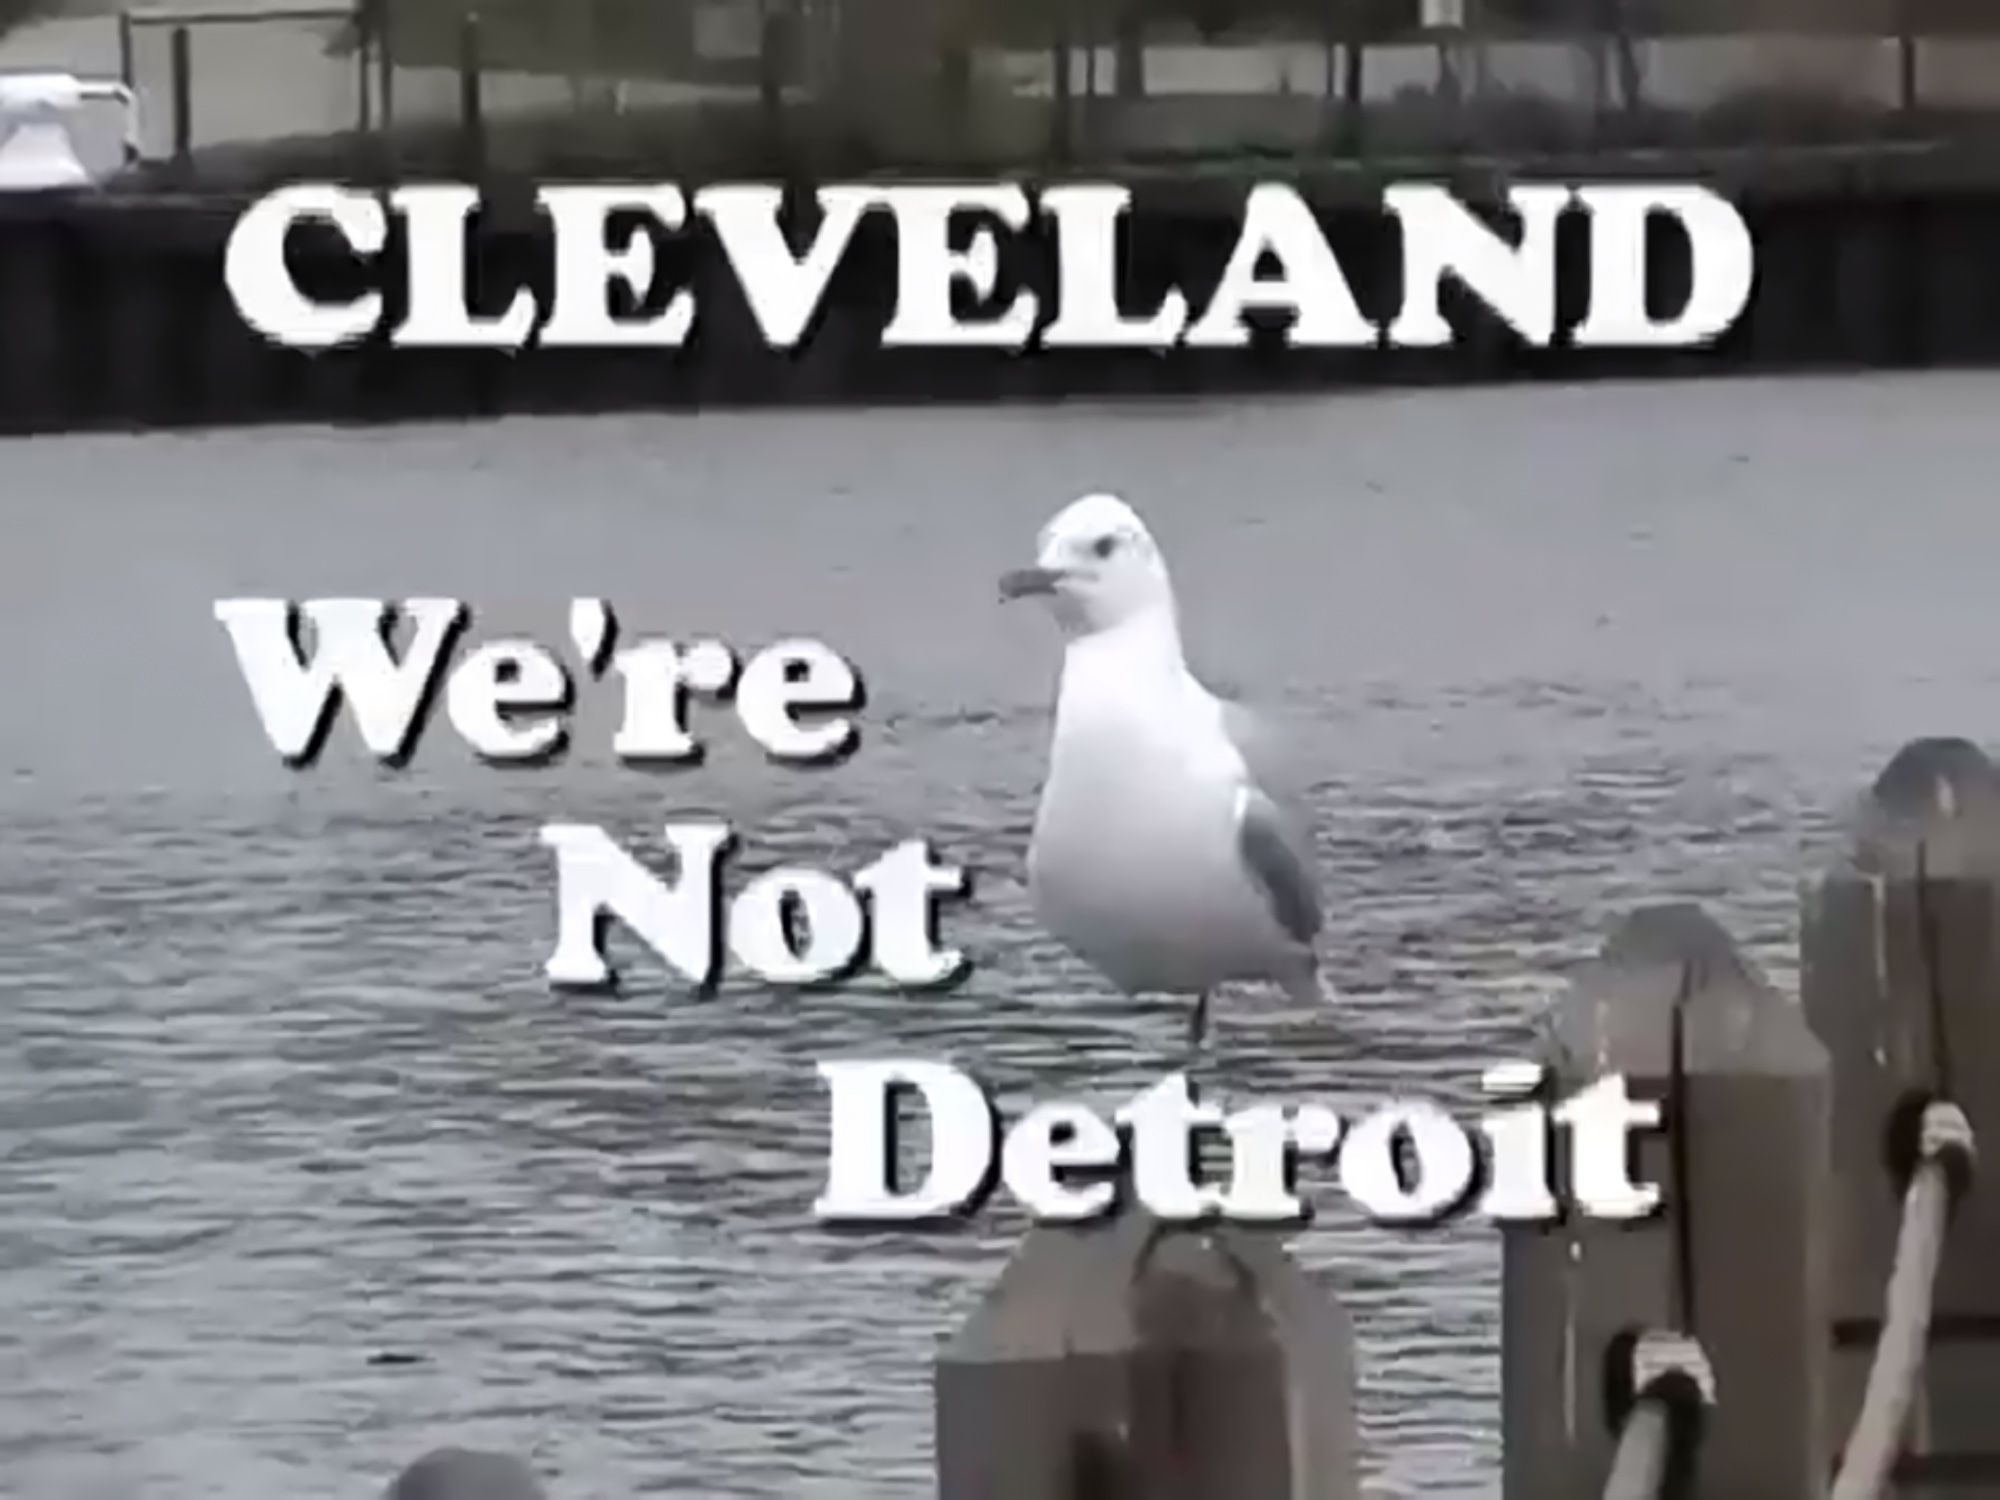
<point x="1733" y="1258"/>
<point x="1900" y="950"/>
<point x="464" y="1474"/>
<point x="1139" y="1361"/>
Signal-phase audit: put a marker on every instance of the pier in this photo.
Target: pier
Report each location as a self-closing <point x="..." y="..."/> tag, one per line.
<point x="1811" y="1314"/>
<point x="117" y="315"/>
<point x="1873" y="199"/>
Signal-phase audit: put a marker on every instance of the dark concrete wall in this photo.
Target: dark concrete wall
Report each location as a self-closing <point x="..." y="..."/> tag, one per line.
<point x="113" y="312"/>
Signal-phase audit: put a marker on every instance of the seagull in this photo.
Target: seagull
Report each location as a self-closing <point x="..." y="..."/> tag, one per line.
<point x="1159" y="856"/>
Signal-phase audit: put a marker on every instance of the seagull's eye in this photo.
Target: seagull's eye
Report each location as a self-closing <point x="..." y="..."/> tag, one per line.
<point x="1104" y="546"/>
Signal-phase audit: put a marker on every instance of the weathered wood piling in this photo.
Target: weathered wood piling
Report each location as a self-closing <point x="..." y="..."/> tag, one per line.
<point x="1146" y="1361"/>
<point x="1742" y="1084"/>
<point x="1812" y="1311"/>
<point x="465" y="1474"/>
<point x="1900" y="958"/>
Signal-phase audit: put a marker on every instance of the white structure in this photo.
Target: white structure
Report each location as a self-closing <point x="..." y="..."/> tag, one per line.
<point x="36" y="150"/>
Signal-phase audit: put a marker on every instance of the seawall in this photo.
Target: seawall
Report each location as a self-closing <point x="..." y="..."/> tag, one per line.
<point x="113" y="310"/>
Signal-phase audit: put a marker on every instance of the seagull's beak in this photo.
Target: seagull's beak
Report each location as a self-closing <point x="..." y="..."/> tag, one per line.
<point x="1025" y="581"/>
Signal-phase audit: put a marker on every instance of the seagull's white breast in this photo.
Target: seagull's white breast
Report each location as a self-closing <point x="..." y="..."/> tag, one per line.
<point x="1134" y="862"/>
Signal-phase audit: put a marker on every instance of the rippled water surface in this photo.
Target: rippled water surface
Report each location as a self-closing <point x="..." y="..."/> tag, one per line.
<point x="281" y="1089"/>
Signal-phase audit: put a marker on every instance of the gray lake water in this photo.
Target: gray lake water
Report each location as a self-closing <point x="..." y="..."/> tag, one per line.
<point x="281" y="1088"/>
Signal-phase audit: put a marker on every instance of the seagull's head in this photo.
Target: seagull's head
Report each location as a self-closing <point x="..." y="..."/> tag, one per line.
<point x="1097" y="566"/>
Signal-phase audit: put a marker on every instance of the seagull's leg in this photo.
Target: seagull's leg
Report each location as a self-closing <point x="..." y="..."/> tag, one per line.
<point x="1198" y="1026"/>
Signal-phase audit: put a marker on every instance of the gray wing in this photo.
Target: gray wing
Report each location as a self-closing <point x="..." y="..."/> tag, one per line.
<point x="1271" y="852"/>
<point x="1270" y="833"/>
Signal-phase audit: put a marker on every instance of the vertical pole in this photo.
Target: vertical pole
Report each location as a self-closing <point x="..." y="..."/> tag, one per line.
<point x="1906" y="56"/>
<point x="1089" y="55"/>
<point x="126" y="66"/>
<point x="1445" y="21"/>
<point x="1353" y="76"/>
<point x="1626" y="49"/>
<point x="385" y="65"/>
<point x="472" y="125"/>
<point x="1087" y="115"/>
<point x="364" y="43"/>
<point x="1059" y="62"/>
<point x="774" y="60"/>
<point x="1130" y="44"/>
<point x="180" y="62"/>
<point x="1476" y="58"/>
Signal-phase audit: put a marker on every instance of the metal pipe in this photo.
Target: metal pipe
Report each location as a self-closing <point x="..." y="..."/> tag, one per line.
<point x="182" y="67"/>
